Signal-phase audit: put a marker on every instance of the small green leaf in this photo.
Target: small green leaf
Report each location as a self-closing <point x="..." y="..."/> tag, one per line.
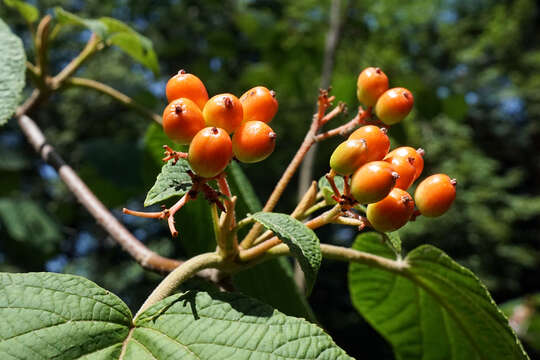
<point x="29" y="12"/>
<point x="172" y="181"/>
<point x="66" y="18"/>
<point x="132" y="43"/>
<point x="12" y="72"/>
<point x="302" y="242"/>
<point x="326" y="189"/>
<point x="434" y="309"/>
<point x="57" y="316"/>
<point x="117" y="33"/>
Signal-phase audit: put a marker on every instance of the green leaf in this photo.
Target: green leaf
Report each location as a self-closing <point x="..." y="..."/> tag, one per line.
<point x="12" y="72"/>
<point x="115" y="32"/>
<point x="66" y="18"/>
<point x="326" y="189"/>
<point x="435" y="309"/>
<point x="214" y="325"/>
<point x="172" y="181"/>
<point x="132" y="43"/>
<point x="302" y="241"/>
<point x="29" y="12"/>
<point x="26" y="222"/>
<point x="57" y="316"/>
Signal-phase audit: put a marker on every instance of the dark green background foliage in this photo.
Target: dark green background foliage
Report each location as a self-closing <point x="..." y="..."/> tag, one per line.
<point x="473" y="67"/>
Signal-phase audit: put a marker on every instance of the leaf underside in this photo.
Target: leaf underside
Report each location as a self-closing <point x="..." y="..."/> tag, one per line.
<point x="437" y="309"/>
<point x="12" y="72"/>
<point x="58" y="316"/>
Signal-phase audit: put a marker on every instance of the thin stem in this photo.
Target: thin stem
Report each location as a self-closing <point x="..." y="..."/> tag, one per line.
<point x="115" y="94"/>
<point x="69" y="69"/>
<point x="350" y="255"/>
<point x="182" y="273"/>
<point x="41" y="44"/>
<point x="148" y="215"/>
<point x="179" y="204"/>
<point x="320" y="205"/>
<point x="324" y="218"/>
<point x="306" y="202"/>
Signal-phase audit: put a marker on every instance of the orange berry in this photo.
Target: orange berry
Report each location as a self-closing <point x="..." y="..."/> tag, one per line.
<point x="409" y="152"/>
<point x="259" y="104"/>
<point x="373" y="181"/>
<point x="349" y="156"/>
<point x="377" y="141"/>
<point x="435" y="194"/>
<point x="184" y="85"/>
<point x="394" y="105"/>
<point x="392" y="212"/>
<point x="182" y="119"/>
<point x="371" y="84"/>
<point x="210" y="152"/>
<point x="223" y="111"/>
<point x="404" y="167"/>
<point x="253" y="141"/>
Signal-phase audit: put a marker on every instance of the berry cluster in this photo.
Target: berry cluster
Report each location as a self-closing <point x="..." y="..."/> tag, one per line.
<point x="380" y="178"/>
<point x="206" y="124"/>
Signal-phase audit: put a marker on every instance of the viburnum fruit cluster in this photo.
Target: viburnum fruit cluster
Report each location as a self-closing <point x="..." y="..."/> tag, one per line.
<point x="379" y="178"/>
<point x="206" y="124"/>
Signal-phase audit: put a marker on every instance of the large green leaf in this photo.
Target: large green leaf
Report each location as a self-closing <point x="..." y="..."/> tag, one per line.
<point x="302" y="241"/>
<point x="29" y="12"/>
<point x="435" y="309"/>
<point x="57" y="316"/>
<point x="117" y="33"/>
<point x="172" y="181"/>
<point x="12" y="72"/>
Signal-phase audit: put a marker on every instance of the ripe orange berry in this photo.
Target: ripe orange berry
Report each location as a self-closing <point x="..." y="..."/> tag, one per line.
<point x="210" y="152"/>
<point x="223" y="111"/>
<point x="392" y="212"/>
<point x="407" y="152"/>
<point x="435" y="195"/>
<point x="377" y="141"/>
<point x="349" y="156"/>
<point x="253" y="141"/>
<point x="404" y="167"/>
<point x="184" y="85"/>
<point x="373" y="181"/>
<point x="394" y="105"/>
<point x="371" y="84"/>
<point x="182" y="119"/>
<point x="259" y="104"/>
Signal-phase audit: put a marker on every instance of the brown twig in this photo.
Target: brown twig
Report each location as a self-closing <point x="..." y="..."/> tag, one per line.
<point x="144" y="256"/>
